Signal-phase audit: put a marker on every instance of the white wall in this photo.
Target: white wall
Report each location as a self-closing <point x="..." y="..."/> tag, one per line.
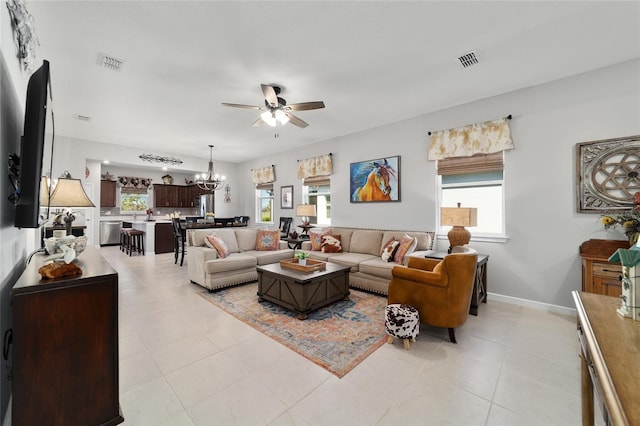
<point x="540" y="260"/>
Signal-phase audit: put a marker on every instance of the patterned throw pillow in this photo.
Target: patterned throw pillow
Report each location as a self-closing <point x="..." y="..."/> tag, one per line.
<point x="331" y="244"/>
<point x="316" y="240"/>
<point x="389" y="249"/>
<point x="268" y="240"/>
<point x="407" y="245"/>
<point x="216" y="243"/>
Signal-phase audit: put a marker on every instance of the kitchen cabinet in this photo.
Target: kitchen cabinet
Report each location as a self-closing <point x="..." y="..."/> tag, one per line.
<point x="173" y="195"/>
<point x="164" y="241"/>
<point x="65" y="345"/>
<point x="107" y="193"/>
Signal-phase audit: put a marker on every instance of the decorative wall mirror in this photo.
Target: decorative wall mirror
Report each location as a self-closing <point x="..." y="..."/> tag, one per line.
<point x="608" y="174"/>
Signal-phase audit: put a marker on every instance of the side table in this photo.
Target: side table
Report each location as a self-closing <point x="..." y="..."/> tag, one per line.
<point x="295" y="243"/>
<point x="479" y="294"/>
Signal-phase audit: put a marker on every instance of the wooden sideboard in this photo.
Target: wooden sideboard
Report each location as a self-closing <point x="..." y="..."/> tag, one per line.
<point x="598" y="274"/>
<point x="610" y="360"/>
<point x="65" y="345"/>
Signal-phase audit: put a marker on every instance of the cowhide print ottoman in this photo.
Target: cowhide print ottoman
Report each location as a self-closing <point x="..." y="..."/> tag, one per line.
<point x="403" y="322"/>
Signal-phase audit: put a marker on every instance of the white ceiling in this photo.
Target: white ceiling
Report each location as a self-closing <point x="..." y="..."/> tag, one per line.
<point x="372" y="63"/>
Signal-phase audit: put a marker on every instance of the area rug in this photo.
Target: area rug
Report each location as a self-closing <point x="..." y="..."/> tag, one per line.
<point x="337" y="337"/>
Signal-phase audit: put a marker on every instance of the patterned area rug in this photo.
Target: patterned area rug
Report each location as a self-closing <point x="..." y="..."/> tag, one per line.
<point x="337" y="337"/>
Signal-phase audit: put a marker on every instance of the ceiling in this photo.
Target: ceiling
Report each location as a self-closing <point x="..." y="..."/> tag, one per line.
<point x="372" y="63"/>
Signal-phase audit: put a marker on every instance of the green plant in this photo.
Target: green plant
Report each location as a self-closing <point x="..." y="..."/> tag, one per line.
<point x="301" y="255"/>
<point x="629" y="221"/>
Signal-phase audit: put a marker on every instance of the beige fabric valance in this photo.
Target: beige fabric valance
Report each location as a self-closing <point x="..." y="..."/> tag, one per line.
<point x="263" y="175"/>
<point x="315" y="166"/>
<point x="480" y="138"/>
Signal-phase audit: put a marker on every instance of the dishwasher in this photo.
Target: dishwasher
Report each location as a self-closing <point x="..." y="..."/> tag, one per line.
<point x="110" y="232"/>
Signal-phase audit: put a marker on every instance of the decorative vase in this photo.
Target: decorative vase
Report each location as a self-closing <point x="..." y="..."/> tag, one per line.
<point x="302" y="262"/>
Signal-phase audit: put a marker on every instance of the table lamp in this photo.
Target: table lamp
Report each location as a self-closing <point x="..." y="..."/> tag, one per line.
<point x="68" y="193"/>
<point x="305" y="211"/>
<point x="458" y="217"/>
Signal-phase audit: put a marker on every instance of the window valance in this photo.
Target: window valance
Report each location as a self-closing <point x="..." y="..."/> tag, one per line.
<point x="263" y="175"/>
<point x="480" y="138"/>
<point x="134" y="185"/>
<point x="315" y="166"/>
<point x="478" y="163"/>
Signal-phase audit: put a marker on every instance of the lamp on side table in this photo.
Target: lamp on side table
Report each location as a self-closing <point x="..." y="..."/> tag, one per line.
<point x="458" y="217"/>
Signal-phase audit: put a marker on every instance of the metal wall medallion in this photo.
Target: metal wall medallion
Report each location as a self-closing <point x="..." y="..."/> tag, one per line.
<point x="608" y="174"/>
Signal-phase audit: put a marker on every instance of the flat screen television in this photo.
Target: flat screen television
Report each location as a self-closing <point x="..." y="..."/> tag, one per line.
<point x="32" y="148"/>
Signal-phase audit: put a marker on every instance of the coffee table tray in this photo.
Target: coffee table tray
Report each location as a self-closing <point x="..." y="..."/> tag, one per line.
<point x="312" y="265"/>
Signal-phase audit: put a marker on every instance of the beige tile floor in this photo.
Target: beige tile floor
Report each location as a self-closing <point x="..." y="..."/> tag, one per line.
<point x="185" y="362"/>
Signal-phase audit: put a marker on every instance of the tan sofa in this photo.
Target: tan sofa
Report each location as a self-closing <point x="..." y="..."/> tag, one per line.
<point x="361" y="251"/>
<point x="205" y="268"/>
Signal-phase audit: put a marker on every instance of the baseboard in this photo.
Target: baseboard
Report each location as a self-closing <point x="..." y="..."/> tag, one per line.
<point x="532" y="304"/>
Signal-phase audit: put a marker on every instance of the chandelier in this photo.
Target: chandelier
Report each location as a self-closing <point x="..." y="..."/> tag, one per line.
<point x="210" y="181"/>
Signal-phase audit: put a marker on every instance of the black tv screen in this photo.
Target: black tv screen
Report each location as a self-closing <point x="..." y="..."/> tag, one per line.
<point x="31" y="149"/>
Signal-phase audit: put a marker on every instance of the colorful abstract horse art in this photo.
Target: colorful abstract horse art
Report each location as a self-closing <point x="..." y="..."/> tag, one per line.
<point x="377" y="185"/>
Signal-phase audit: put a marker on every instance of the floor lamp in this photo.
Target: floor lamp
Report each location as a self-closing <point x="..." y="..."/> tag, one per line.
<point x="458" y="217"/>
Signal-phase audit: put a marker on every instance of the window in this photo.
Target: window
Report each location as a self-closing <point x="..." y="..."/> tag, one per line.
<point x="264" y="203"/>
<point x="476" y="181"/>
<point x="133" y="202"/>
<point x="318" y="191"/>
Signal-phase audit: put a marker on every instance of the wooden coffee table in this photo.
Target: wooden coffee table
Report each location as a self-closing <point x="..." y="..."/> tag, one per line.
<point x="302" y="292"/>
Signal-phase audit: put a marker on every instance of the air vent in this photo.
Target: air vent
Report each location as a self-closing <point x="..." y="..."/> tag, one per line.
<point x="82" y="117"/>
<point x="468" y="59"/>
<point x="109" y="62"/>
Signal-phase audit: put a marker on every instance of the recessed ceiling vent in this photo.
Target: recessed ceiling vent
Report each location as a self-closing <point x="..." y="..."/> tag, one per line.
<point x="82" y="117"/>
<point x="109" y="62"/>
<point x="468" y="59"/>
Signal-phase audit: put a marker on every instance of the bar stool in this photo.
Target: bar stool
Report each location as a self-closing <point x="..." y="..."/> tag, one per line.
<point x="136" y="241"/>
<point x="125" y="240"/>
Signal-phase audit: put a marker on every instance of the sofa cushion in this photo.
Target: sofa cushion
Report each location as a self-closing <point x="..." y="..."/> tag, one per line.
<point x="377" y="267"/>
<point x="267" y="240"/>
<point x="229" y="238"/>
<point x="318" y="255"/>
<point x="267" y="257"/>
<point x="233" y="262"/>
<point x="246" y="238"/>
<point x="366" y="242"/>
<point x="218" y="244"/>
<point x="352" y="260"/>
<point x="345" y="237"/>
<point x="331" y="243"/>
<point x="407" y="245"/>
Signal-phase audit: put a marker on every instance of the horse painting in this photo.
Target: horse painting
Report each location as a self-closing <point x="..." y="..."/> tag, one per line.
<point x="375" y="180"/>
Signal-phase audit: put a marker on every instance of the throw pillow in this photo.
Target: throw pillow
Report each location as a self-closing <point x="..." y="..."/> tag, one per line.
<point x="218" y="244"/>
<point x="389" y="249"/>
<point x="331" y="244"/>
<point x="316" y="240"/>
<point x="268" y="240"/>
<point x="407" y="245"/>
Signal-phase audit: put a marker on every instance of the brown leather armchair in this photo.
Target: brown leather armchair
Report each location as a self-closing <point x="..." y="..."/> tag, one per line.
<point x="439" y="289"/>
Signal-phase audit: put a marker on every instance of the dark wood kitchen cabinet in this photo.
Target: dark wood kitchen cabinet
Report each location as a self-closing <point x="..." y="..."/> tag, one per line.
<point x="65" y="345"/>
<point x="164" y="241"/>
<point x="107" y="193"/>
<point x="173" y="195"/>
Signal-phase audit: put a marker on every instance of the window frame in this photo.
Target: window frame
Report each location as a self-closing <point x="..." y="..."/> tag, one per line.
<point x="258" y="203"/>
<point x="306" y="195"/>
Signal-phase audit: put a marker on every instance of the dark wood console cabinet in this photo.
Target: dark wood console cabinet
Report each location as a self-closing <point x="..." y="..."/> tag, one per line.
<point x="65" y="346"/>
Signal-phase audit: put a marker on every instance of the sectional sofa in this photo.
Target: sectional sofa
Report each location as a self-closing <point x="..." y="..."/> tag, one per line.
<point x="360" y="250"/>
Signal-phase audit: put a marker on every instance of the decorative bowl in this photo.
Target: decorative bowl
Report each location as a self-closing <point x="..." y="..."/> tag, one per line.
<point x="53" y="244"/>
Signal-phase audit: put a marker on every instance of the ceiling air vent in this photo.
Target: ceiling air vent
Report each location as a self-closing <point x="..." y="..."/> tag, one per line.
<point x="82" y="117"/>
<point x="109" y="62"/>
<point x="468" y="59"/>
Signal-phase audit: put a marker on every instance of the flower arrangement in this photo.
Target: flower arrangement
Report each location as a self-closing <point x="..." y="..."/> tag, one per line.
<point x="149" y="211"/>
<point x="209" y="214"/>
<point x="629" y="221"/>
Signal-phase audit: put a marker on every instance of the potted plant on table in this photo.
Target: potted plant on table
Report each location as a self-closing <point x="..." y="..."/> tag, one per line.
<point x="302" y="258"/>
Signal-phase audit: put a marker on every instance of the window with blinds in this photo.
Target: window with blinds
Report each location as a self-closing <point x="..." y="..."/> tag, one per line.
<point x="317" y="190"/>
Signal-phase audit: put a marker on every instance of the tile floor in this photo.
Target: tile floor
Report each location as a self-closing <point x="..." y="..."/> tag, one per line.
<point x="183" y="361"/>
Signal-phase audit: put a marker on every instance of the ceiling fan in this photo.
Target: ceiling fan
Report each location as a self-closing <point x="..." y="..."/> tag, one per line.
<point x="276" y="109"/>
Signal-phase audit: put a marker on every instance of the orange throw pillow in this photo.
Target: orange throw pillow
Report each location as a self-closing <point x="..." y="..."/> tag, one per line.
<point x="268" y="240"/>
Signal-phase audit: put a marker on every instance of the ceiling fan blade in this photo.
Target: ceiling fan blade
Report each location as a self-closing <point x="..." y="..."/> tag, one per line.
<point x="258" y="122"/>
<point x="296" y="121"/>
<point x="270" y="95"/>
<point x="305" y="106"/>
<point x="241" y="106"/>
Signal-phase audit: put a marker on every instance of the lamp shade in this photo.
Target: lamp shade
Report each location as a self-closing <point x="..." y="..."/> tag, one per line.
<point x="69" y="193"/>
<point x="305" y="210"/>
<point x="459" y="216"/>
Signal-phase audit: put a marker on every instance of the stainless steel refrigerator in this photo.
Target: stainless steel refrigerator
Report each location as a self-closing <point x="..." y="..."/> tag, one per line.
<point x="206" y="204"/>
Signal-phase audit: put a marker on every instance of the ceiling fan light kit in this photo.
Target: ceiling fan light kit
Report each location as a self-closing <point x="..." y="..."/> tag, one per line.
<point x="276" y="109"/>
